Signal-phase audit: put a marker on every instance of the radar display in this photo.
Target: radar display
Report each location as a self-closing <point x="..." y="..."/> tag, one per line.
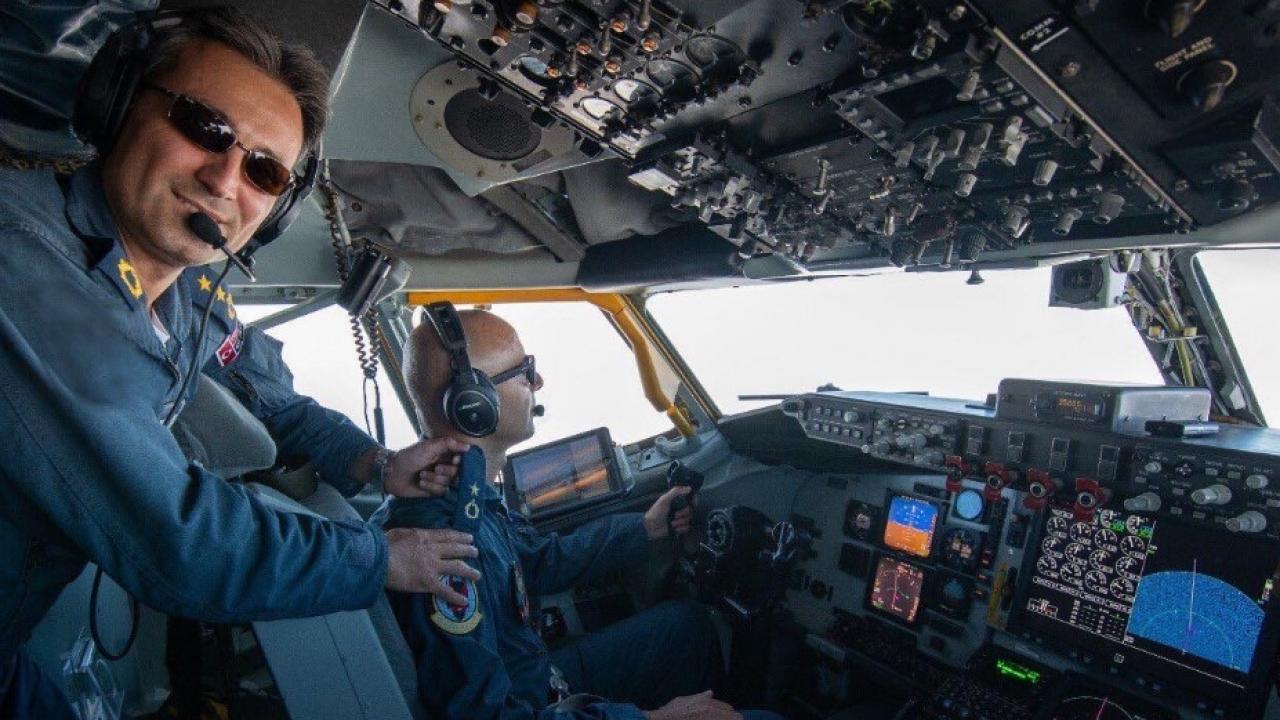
<point x="1162" y="595"/>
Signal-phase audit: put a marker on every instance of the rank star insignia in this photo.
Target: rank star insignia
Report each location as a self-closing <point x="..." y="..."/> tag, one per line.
<point x="221" y="295"/>
<point x="129" y="277"/>
<point x="205" y="283"/>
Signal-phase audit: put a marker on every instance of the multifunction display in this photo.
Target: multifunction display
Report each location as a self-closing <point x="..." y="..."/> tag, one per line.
<point x="1160" y="595"/>
<point x="896" y="589"/>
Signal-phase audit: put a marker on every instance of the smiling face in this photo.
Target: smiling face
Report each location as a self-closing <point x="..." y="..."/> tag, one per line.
<point x="155" y="178"/>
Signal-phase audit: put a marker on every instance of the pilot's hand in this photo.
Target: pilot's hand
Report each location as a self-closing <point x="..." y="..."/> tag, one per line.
<point x="655" y="519"/>
<point x="417" y="558"/>
<point x="694" y="707"/>
<point x="424" y="469"/>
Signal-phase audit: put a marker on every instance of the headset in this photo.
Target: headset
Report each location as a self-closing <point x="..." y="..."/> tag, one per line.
<point x="471" y="401"/>
<point x="107" y="91"/>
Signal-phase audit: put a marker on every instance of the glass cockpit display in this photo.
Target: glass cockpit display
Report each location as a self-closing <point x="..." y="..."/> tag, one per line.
<point x="896" y="589"/>
<point x="562" y="474"/>
<point x="910" y="524"/>
<point x="1161" y="596"/>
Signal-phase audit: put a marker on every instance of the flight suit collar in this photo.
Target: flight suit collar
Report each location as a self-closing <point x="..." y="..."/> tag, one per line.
<point x="90" y="218"/>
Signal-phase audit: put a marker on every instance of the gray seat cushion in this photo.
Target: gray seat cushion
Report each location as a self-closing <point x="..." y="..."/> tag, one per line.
<point x="217" y="431"/>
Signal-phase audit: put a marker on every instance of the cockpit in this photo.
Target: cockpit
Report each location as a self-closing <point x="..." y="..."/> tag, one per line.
<point x="954" y="317"/>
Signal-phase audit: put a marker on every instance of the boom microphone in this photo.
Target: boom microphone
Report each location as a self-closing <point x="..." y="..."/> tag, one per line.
<point x="204" y="227"/>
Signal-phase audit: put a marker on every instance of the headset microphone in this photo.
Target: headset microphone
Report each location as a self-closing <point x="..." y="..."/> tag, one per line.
<point x="204" y="227"/>
<point x="539" y="411"/>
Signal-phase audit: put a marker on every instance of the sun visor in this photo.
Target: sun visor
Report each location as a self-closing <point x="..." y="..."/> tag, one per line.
<point x="419" y="209"/>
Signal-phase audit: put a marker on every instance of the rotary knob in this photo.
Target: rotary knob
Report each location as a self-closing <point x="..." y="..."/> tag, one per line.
<point x="1257" y="481"/>
<point x="1212" y="495"/>
<point x="1153" y="467"/>
<point x="1146" y="502"/>
<point x="1248" y="521"/>
<point x="850" y="416"/>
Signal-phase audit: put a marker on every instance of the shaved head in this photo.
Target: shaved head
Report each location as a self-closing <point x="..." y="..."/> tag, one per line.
<point x="492" y="347"/>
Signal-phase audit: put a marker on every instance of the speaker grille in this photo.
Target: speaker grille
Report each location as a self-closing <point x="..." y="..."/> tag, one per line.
<point x="497" y="129"/>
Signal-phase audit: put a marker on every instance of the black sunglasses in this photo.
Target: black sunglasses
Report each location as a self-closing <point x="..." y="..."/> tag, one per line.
<point x="526" y="367"/>
<point x="208" y="129"/>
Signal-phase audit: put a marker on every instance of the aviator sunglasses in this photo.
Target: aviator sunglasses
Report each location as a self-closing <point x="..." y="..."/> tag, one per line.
<point x="526" y="367"/>
<point x="208" y="129"/>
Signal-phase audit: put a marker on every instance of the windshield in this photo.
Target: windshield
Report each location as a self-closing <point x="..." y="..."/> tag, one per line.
<point x="1244" y="284"/>
<point x="895" y="332"/>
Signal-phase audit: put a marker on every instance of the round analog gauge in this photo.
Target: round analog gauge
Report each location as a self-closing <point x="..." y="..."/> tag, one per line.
<point x="1057" y="523"/>
<point x="1096" y="581"/>
<point x="599" y="108"/>
<point x="1105" y="538"/>
<point x="1134" y="545"/>
<point x="1047" y="566"/>
<point x="1072" y="573"/>
<point x="1100" y="559"/>
<point x="1081" y="532"/>
<point x="1053" y="544"/>
<point x="1123" y="587"/>
<point x="634" y="92"/>
<point x="1133" y="524"/>
<point x="535" y="69"/>
<point x="675" y="79"/>
<point x="1077" y="552"/>
<point x="968" y="505"/>
<point x="1128" y="567"/>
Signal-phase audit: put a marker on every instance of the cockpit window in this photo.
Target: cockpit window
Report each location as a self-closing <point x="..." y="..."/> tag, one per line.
<point x="321" y="353"/>
<point x="894" y="332"/>
<point x="589" y="375"/>
<point x="1244" y="284"/>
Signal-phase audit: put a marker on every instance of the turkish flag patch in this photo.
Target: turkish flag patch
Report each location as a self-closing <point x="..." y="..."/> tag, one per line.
<point x="229" y="350"/>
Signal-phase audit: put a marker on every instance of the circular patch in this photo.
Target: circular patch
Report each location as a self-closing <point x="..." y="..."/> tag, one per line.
<point x="457" y="619"/>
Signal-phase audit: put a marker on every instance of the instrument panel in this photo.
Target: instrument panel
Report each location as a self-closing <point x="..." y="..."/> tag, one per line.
<point x="1040" y="567"/>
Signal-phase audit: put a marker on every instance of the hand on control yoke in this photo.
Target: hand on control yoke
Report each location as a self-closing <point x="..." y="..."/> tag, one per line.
<point x="663" y="519"/>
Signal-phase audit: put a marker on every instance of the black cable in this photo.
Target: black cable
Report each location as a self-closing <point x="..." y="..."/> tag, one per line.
<point x="93" y="622"/>
<point x="366" y="356"/>
<point x="195" y="353"/>
<point x="168" y="421"/>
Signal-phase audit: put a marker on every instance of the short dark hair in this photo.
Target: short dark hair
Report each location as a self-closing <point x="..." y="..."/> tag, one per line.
<point x="294" y="65"/>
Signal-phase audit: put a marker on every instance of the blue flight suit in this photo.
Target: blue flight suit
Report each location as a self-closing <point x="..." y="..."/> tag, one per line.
<point x="485" y="661"/>
<point x="88" y="471"/>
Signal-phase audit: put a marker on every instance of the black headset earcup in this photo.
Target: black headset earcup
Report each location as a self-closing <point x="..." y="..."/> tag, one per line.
<point x="286" y="211"/>
<point x="108" y="86"/>
<point x="471" y="404"/>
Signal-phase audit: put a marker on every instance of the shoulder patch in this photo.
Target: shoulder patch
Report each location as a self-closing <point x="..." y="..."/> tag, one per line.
<point x="457" y="619"/>
<point x="230" y="348"/>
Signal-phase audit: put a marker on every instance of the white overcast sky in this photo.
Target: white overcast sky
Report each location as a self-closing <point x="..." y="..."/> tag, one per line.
<point x="896" y="331"/>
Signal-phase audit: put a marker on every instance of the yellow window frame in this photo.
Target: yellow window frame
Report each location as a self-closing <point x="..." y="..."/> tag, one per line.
<point x="658" y="374"/>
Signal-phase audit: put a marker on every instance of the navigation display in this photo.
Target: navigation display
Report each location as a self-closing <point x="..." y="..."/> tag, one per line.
<point x="910" y="524"/>
<point x="896" y="589"/>
<point x="1169" y="597"/>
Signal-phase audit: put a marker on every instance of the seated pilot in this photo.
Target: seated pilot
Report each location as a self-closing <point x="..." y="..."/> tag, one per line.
<point x="484" y="659"/>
